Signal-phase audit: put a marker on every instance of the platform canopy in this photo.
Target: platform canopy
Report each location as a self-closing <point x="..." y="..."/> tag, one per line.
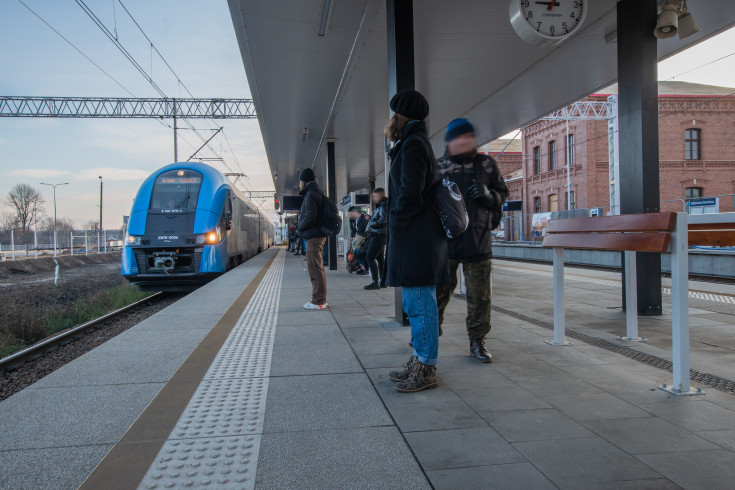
<point x="469" y="62"/>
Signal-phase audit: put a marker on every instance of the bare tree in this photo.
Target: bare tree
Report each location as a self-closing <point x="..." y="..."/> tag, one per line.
<point x="7" y="221"/>
<point x="26" y="202"/>
<point x="92" y="226"/>
<point x="64" y="224"/>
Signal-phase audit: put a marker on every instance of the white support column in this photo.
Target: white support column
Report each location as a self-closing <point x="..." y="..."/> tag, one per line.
<point x="12" y="246"/>
<point x="631" y="300"/>
<point x="86" y="244"/>
<point x="35" y="242"/>
<point x="559" y="324"/>
<point x="71" y="242"/>
<point x="680" y="308"/>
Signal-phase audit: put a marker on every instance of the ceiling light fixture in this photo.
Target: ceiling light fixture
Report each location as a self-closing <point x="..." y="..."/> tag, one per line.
<point x="325" y="15"/>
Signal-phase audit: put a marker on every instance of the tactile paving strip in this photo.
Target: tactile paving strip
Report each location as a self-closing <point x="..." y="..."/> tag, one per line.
<point x="216" y="441"/>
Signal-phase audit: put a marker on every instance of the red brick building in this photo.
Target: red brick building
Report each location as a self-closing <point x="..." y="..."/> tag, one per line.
<point x="697" y="155"/>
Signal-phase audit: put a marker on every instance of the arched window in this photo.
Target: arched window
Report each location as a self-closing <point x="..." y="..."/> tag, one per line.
<point x="552" y="155"/>
<point x="693" y="144"/>
<point x="693" y="193"/>
<point x="536" y="160"/>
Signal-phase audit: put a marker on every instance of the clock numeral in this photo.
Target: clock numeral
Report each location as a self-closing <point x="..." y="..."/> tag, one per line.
<point x="551" y="30"/>
<point x="576" y="4"/>
<point x="530" y="14"/>
<point x="572" y="16"/>
<point x="525" y="3"/>
<point x="539" y="26"/>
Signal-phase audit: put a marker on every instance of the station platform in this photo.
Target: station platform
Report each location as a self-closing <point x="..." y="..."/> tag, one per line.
<point x="236" y="386"/>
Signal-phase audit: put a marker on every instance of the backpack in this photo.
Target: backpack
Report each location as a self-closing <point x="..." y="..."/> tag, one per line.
<point x="331" y="221"/>
<point x="448" y="202"/>
<point x="353" y="264"/>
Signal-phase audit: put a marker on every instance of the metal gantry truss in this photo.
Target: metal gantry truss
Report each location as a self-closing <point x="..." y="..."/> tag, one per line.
<point x="585" y="110"/>
<point x="113" y="107"/>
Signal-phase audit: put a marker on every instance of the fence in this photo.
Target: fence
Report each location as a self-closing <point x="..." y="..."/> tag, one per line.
<point x="15" y="245"/>
<point x="517" y="226"/>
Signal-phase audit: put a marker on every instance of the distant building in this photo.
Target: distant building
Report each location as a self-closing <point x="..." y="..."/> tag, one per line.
<point x="697" y="155"/>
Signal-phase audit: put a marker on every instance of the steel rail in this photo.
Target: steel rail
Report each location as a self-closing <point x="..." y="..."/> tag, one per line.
<point x="23" y="354"/>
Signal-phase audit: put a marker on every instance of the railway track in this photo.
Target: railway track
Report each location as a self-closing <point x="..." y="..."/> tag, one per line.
<point x="28" y="365"/>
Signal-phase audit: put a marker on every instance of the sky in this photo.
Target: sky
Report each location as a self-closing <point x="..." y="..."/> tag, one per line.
<point x="197" y="39"/>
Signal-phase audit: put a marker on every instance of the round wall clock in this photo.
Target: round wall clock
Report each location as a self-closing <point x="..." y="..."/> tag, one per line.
<point x="547" y="22"/>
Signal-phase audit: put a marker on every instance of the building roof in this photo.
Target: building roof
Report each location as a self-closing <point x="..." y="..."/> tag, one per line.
<point x="682" y="89"/>
<point x="495" y="147"/>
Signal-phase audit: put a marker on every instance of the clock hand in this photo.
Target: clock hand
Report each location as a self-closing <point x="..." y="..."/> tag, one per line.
<point x="552" y="4"/>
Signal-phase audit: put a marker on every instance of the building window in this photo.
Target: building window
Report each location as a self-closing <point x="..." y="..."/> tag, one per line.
<point x="537" y="204"/>
<point x="536" y="160"/>
<point x="570" y="149"/>
<point x="693" y="193"/>
<point x="552" y="155"/>
<point x="571" y="200"/>
<point x="693" y="144"/>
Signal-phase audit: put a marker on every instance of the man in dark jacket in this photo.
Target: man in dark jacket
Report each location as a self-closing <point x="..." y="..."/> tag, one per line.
<point x="309" y="228"/>
<point x="484" y="193"/>
<point x="417" y="246"/>
<point x="377" y="232"/>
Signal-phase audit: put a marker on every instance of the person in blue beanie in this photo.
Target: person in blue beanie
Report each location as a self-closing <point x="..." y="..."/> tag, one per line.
<point x="484" y="193"/>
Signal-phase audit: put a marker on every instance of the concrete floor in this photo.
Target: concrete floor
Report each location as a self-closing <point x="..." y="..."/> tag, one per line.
<point x="538" y="417"/>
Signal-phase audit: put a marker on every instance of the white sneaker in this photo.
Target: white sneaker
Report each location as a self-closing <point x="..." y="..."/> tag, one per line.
<point x="312" y="306"/>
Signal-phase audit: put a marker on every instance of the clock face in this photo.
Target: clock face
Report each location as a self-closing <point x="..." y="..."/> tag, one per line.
<point x="546" y="22"/>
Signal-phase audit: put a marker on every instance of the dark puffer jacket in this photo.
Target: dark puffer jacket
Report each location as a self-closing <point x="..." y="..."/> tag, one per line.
<point x="310" y="217"/>
<point x="417" y="246"/>
<point x="378" y="224"/>
<point x="466" y="170"/>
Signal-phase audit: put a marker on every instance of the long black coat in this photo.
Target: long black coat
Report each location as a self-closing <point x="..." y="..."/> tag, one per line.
<point x="310" y="216"/>
<point x="417" y="246"/>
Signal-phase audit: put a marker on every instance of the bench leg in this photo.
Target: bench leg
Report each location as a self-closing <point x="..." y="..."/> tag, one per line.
<point x="631" y="300"/>
<point x="558" y="299"/>
<point x="680" y="309"/>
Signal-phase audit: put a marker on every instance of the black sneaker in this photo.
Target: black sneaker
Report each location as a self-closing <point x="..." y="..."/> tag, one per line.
<point x="383" y="286"/>
<point x="372" y="285"/>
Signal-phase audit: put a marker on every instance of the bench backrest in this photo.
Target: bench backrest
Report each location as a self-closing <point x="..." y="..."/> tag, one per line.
<point x="714" y="230"/>
<point x="649" y="232"/>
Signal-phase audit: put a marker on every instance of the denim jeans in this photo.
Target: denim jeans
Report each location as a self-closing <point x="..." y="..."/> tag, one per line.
<point x="419" y="303"/>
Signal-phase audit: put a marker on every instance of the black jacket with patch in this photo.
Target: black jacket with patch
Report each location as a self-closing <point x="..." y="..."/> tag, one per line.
<point x="310" y="216"/>
<point x="465" y="170"/>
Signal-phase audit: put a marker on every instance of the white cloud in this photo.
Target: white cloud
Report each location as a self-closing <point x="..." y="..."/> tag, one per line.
<point x="110" y="173"/>
<point x="39" y="173"/>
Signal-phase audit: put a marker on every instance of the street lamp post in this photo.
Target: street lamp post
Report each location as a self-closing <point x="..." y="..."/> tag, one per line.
<point x="54" y="186"/>
<point x="101" y="233"/>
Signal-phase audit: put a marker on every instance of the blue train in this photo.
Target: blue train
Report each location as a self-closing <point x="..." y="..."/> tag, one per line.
<point x="187" y="226"/>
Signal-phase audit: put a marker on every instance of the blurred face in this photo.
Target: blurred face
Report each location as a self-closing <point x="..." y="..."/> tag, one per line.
<point x="301" y="185"/>
<point x="353" y="214"/>
<point x="377" y="196"/>
<point x="464" y="143"/>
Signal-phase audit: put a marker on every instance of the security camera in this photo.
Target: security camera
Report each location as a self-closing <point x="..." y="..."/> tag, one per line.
<point x="668" y="21"/>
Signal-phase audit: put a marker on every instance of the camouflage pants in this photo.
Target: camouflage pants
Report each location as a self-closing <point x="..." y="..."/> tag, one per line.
<point x="477" y="280"/>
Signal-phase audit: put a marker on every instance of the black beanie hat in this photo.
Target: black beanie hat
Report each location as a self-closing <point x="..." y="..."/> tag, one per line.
<point x="306" y="175"/>
<point x="458" y="127"/>
<point x="410" y="103"/>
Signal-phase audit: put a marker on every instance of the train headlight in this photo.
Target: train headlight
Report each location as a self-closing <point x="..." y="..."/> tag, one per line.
<point x="214" y="236"/>
<point x="132" y="241"/>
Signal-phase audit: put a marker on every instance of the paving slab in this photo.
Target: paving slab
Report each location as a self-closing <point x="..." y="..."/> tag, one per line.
<point x="52" y="468"/>
<point x="374" y="457"/>
<point x="583" y="461"/>
<point x="459" y="448"/>
<point x="516" y="476"/>
<point x="535" y="425"/>
<point x="711" y="470"/>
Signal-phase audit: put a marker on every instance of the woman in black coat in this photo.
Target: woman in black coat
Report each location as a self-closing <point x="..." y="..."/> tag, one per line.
<point x="417" y="246"/>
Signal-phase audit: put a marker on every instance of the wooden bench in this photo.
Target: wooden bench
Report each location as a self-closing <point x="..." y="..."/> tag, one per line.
<point x="652" y="232"/>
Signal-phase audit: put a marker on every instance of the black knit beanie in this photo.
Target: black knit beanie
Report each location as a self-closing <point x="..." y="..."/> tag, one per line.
<point x="306" y="175"/>
<point x="410" y="103"/>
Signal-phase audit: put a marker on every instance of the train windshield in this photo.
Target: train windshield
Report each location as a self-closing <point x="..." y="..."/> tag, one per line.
<point x="176" y="189"/>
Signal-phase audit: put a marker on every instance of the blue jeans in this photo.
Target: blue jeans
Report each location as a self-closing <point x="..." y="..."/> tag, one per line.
<point x="419" y="303"/>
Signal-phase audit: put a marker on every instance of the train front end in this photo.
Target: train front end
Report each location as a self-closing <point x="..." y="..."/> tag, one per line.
<point x="177" y="232"/>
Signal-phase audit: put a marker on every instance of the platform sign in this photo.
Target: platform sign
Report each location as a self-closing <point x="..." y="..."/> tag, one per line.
<point x="513" y="205"/>
<point x="705" y="205"/>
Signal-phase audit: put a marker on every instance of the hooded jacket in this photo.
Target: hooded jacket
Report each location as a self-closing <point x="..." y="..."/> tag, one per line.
<point x="310" y="216"/>
<point x="485" y="214"/>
